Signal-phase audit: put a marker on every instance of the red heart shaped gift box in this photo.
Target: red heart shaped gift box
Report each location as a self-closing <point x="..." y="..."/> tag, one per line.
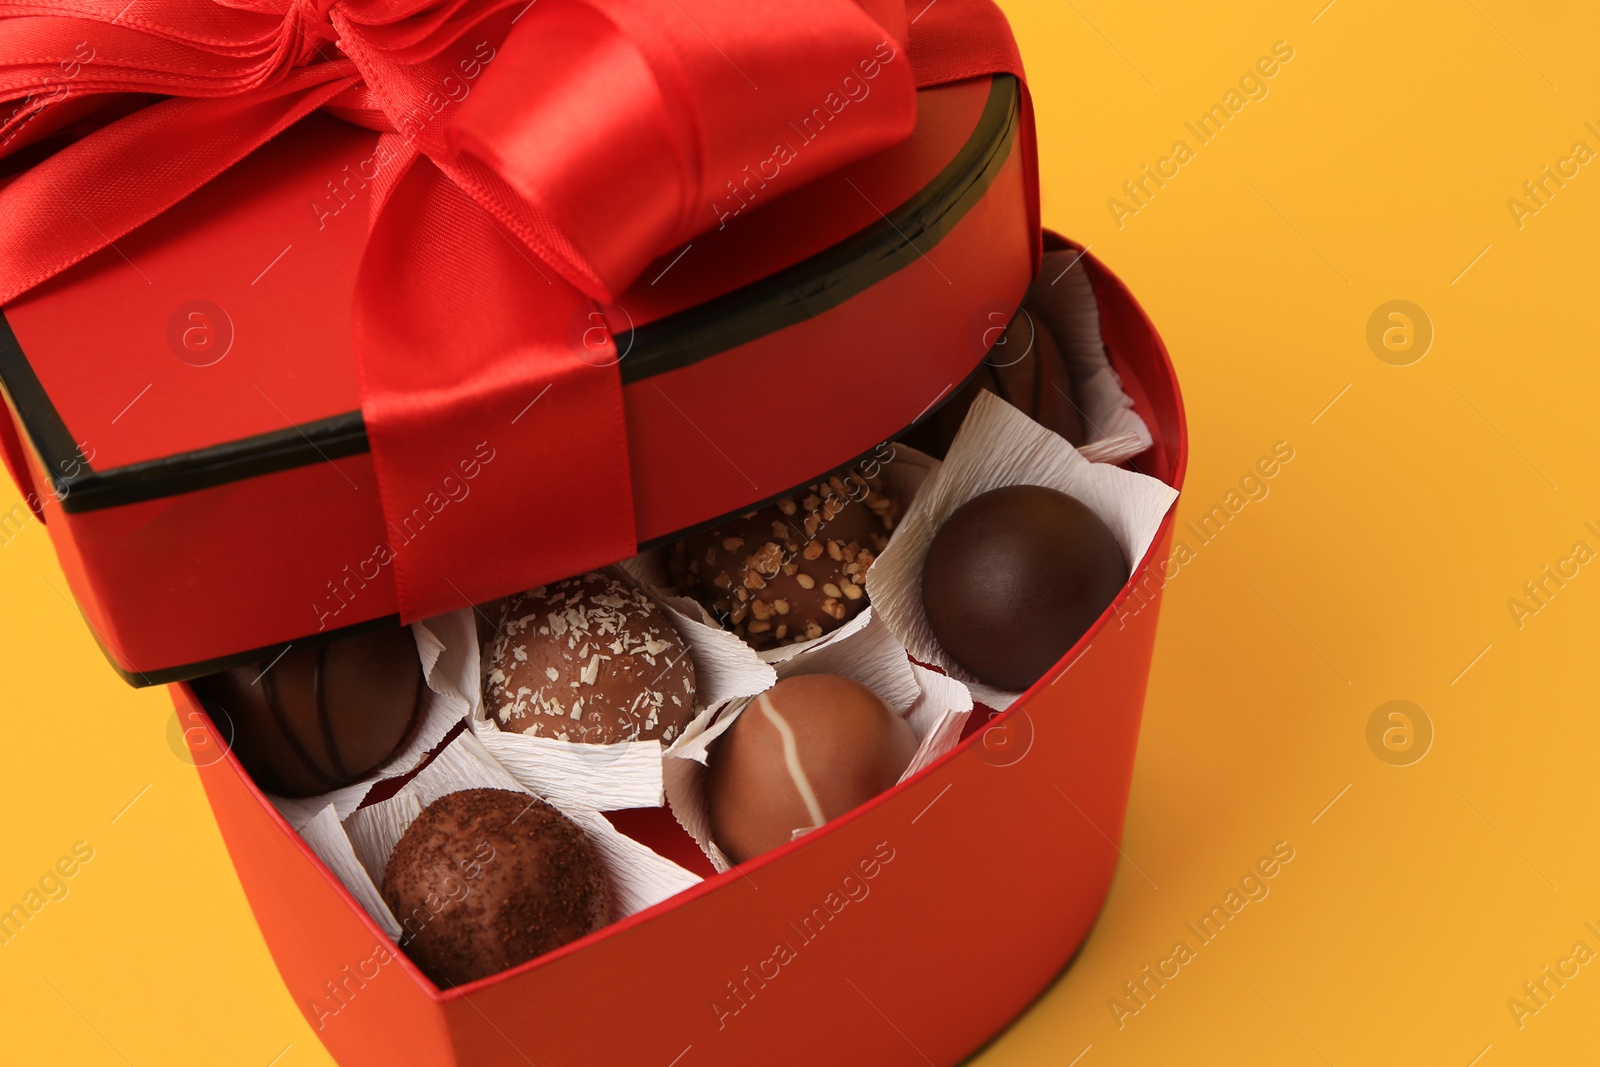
<point x="212" y="497"/>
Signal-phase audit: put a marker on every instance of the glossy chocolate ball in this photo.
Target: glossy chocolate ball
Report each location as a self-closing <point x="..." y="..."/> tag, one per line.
<point x="1014" y="577"/>
<point x="485" y="879"/>
<point x="589" y="659"/>
<point x="794" y="569"/>
<point x="809" y="749"/>
<point x="320" y="717"/>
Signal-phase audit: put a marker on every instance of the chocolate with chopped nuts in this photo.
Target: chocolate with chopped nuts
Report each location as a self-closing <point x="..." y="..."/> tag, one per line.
<point x="589" y="659"/>
<point x="794" y="569"/>
<point x="809" y="749"/>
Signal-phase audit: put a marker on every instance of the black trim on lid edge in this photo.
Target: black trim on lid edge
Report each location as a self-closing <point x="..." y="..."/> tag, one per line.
<point x="798" y="292"/>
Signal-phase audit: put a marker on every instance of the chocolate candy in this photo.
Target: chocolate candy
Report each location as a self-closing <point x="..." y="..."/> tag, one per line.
<point x="320" y="717"/>
<point x="485" y="879"/>
<point x="588" y="659"/>
<point x="1014" y="577"/>
<point x="1026" y="370"/>
<point x="793" y="570"/>
<point x="807" y="750"/>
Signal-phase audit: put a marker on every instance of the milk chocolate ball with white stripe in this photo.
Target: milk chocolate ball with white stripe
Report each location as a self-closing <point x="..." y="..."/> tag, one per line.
<point x="589" y="659"/>
<point x="809" y="749"/>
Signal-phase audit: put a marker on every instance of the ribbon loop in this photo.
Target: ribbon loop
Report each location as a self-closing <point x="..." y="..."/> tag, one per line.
<point x="633" y="126"/>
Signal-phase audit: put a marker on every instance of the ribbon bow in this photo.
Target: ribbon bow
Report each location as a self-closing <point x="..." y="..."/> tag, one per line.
<point x="533" y="158"/>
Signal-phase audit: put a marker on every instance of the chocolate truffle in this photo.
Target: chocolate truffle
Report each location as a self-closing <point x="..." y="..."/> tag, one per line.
<point x="1014" y="577"/>
<point x="794" y="569"/>
<point x="1026" y="370"/>
<point x="807" y="750"/>
<point x="588" y="659"/>
<point x="320" y="717"/>
<point x="485" y="879"/>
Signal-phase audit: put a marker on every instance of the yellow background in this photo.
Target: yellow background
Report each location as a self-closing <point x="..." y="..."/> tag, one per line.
<point x="1379" y="567"/>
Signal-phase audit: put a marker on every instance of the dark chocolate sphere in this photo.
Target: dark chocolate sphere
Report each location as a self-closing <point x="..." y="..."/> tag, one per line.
<point x="320" y="717"/>
<point x="847" y="747"/>
<point x="794" y="569"/>
<point x="588" y="659"/>
<point x="1014" y="577"/>
<point x="485" y="879"/>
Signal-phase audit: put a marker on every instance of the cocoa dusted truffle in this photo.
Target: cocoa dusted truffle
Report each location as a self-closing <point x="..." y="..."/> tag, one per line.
<point x="588" y="659"/>
<point x="1014" y="577"/>
<point x="485" y="879"/>
<point x="321" y="717"/>
<point x="807" y="750"/>
<point x="794" y="569"/>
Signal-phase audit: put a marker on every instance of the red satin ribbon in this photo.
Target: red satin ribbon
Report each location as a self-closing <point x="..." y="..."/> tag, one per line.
<point x="536" y="157"/>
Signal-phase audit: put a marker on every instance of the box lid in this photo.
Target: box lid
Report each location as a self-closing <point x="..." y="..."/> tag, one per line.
<point x="228" y="320"/>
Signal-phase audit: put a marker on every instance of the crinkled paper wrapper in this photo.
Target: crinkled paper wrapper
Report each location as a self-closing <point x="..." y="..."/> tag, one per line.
<point x="935" y="706"/>
<point x="998" y="446"/>
<point x="358" y="848"/>
<point x="1063" y="301"/>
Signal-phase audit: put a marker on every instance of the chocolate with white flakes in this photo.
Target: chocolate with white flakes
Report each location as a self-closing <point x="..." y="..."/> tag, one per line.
<point x="794" y="569"/>
<point x="589" y="659"/>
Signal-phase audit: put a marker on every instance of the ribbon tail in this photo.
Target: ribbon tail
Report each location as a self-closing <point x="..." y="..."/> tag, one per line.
<point x="493" y="405"/>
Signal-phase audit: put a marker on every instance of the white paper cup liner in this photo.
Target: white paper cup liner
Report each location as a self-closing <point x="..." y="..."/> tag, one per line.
<point x="358" y="849"/>
<point x="328" y="840"/>
<point x="998" y="446"/>
<point x="1062" y="299"/>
